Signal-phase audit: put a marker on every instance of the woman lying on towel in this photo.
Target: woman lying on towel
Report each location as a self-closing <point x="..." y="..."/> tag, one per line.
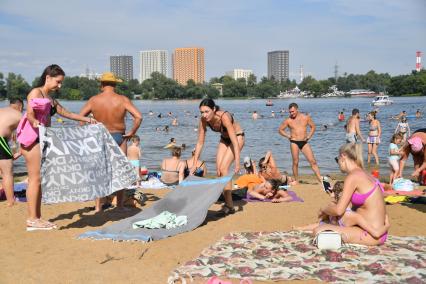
<point x="268" y="169"/>
<point x="364" y="192"/>
<point x="349" y="218"/>
<point x="269" y="189"/>
<point x="259" y="188"/>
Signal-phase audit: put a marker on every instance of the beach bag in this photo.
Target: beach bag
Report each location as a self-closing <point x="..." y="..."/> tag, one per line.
<point x="402" y="184"/>
<point x="26" y="134"/>
<point x="328" y="240"/>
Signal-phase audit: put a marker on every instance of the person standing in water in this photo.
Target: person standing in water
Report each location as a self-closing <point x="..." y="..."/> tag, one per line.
<point x="299" y="139"/>
<point x="230" y="144"/>
<point x="352" y="128"/>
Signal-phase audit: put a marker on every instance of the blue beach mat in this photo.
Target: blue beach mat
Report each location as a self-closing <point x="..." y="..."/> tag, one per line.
<point x="191" y="198"/>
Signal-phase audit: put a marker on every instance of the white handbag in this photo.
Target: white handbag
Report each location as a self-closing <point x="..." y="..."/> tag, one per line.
<point x="328" y="240"/>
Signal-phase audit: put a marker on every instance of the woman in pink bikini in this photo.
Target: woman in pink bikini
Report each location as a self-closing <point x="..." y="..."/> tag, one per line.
<point x="40" y="108"/>
<point x="365" y="194"/>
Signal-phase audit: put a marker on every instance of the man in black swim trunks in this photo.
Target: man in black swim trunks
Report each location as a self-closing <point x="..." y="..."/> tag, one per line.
<point x="9" y="117"/>
<point x="298" y="136"/>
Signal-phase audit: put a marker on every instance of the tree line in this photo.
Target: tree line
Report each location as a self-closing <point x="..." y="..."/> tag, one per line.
<point x="161" y="87"/>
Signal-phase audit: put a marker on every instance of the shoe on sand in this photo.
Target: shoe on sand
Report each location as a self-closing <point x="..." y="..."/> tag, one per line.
<point x="40" y="225"/>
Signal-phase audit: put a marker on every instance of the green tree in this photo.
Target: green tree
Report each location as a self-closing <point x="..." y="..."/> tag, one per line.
<point x="3" y="90"/>
<point x="74" y="94"/>
<point x="16" y="86"/>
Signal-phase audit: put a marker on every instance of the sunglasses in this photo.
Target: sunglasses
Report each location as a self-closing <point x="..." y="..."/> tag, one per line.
<point x="336" y="159"/>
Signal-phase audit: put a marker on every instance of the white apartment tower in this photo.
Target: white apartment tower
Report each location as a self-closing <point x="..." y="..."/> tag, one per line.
<point x="152" y="61"/>
<point x="239" y="73"/>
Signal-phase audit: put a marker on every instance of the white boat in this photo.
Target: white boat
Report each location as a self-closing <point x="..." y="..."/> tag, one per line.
<point x="381" y="101"/>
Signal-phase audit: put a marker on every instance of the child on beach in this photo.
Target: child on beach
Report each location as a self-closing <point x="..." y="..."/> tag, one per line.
<point x="403" y="128"/>
<point x="349" y="218"/>
<point x="394" y="155"/>
<point x="269" y="189"/>
<point x="134" y="155"/>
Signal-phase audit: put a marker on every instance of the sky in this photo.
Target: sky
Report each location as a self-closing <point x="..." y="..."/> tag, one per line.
<point x="357" y="35"/>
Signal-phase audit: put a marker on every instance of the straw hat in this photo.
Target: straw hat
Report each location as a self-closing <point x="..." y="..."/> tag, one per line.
<point x="109" y="77"/>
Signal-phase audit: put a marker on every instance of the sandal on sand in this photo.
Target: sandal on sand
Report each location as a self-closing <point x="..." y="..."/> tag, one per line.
<point x="39" y="224"/>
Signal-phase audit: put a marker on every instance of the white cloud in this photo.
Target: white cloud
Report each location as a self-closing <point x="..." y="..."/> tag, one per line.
<point x="359" y="35"/>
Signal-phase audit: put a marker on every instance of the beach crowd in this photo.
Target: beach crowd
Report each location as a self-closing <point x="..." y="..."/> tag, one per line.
<point x="356" y="209"/>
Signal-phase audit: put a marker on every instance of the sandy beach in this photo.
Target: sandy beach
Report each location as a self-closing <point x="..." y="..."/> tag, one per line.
<point x="59" y="257"/>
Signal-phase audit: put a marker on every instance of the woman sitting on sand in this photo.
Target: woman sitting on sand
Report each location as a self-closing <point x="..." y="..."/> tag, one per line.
<point x="172" y="168"/>
<point x="349" y="218"/>
<point x="365" y="194"/>
<point x="268" y="169"/>
<point x="201" y="169"/>
<point x="230" y="144"/>
<point x="269" y="189"/>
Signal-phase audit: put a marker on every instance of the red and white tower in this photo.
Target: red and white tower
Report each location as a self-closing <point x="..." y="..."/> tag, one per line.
<point x="418" y="61"/>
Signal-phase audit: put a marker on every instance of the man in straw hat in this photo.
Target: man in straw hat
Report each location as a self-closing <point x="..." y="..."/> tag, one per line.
<point x="110" y="108"/>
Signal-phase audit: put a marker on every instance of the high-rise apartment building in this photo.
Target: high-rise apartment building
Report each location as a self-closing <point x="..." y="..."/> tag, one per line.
<point x="152" y="61"/>
<point x="188" y="63"/>
<point x="239" y="73"/>
<point x="278" y="65"/>
<point x="122" y="66"/>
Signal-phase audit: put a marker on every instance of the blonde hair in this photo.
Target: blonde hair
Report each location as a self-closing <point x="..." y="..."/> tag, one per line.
<point x="354" y="152"/>
<point x="135" y="138"/>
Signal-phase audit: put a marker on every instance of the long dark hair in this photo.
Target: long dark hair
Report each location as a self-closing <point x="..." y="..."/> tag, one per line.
<point x="209" y="103"/>
<point x="51" y="70"/>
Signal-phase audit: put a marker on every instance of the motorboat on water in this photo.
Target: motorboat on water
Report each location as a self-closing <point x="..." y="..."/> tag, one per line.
<point x="382" y="100"/>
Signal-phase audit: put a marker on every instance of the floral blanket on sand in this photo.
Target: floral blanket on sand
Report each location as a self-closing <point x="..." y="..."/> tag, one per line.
<point x="292" y="256"/>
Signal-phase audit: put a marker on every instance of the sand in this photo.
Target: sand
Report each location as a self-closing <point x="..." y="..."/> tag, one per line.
<point x="58" y="257"/>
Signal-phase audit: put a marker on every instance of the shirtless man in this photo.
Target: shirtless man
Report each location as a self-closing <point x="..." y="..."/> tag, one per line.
<point x="352" y="128"/>
<point x="298" y="123"/>
<point x="110" y="109"/>
<point x="9" y="117"/>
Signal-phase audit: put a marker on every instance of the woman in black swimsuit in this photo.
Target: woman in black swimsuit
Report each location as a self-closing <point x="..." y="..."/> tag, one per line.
<point x="230" y="144"/>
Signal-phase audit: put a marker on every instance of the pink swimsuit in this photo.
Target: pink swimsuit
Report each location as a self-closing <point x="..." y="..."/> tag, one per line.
<point x="26" y="134"/>
<point x="358" y="200"/>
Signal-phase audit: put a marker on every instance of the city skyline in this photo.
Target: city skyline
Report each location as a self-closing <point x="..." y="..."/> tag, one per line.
<point x="380" y="35"/>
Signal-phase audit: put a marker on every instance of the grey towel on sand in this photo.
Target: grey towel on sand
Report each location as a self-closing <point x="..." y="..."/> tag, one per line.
<point x="192" y="198"/>
<point x="81" y="163"/>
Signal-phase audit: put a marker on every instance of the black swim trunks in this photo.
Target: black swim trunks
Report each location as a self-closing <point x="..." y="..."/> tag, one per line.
<point x="5" y="152"/>
<point x="299" y="144"/>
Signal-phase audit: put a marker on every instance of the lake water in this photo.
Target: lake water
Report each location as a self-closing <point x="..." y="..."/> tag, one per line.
<point x="261" y="134"/>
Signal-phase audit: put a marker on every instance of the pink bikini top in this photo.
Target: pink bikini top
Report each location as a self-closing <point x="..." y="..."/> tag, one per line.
<point x="359" y="199"/>
<point x="41" y="107"/>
